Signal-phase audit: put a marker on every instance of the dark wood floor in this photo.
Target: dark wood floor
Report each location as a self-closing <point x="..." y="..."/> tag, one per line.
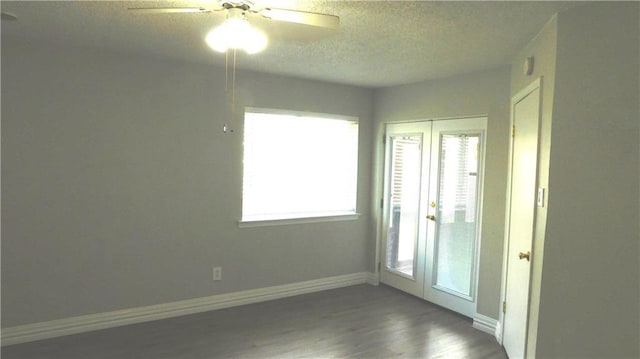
<point x="360" y="321"/>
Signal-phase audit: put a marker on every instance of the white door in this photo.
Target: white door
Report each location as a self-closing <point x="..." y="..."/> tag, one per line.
<point x="431" y="210"/>
<point x="404" y="219"/>
<point x="520" y="218"/>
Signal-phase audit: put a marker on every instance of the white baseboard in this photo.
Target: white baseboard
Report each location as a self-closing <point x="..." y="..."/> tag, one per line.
<point x="498" y="332"/>
<point x="55" y="328"/>
<point x="485" y="324"/>
<point x="373" y="278"/>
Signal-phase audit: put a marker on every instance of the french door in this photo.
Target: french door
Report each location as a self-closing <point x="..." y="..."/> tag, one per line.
<point x="433" y="181"/>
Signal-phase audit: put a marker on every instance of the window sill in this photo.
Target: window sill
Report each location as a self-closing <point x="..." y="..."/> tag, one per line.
<point x="287" y="221"/>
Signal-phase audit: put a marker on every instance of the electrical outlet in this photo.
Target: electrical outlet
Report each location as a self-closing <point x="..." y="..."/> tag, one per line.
<point x="217" y="273"/>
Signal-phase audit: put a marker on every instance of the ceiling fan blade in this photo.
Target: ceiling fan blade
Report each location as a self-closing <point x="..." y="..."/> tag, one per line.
<point x="302" y="17"/>
<point x="168" y="10"/>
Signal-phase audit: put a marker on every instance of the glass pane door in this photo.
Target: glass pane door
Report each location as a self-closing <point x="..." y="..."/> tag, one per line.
<point x="404" y="203"/>
<point x="404" y="224"/>
<point x="455" y="186"/>
<point x="456" y="227"/>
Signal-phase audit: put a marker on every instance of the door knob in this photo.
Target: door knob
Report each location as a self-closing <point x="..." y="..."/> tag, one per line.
<point x="526" y="256"/>
<point x="431" y="217"/>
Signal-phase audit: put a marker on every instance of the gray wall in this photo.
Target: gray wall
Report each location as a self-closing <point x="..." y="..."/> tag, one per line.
<point x="485" y="93"/>
<point x="120" y="190"/>
<point x="585" y="278"/>
<point x="589" y="303"/>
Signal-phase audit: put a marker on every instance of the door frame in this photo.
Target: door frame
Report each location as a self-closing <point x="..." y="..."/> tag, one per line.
<point x="519" y="96"/>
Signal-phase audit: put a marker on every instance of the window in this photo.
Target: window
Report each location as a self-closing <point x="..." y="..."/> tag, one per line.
<point x="298" y="165"/>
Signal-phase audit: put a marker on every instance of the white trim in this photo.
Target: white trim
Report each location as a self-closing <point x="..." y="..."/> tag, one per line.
<point x="498" y="332"/>
<point x="485" y="324"/>
<point x="373" y="278"/>
<point x="482" y="115"/>
<point x="277" y="111"/>
<point x="73" y="325"/>
<point x="285" y="221"/>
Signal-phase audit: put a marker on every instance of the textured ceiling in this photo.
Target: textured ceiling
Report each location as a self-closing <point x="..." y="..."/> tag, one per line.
<point x="378" y="44"/>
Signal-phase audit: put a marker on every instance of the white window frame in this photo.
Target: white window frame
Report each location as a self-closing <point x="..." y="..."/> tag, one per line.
<point x="245" y="222"/>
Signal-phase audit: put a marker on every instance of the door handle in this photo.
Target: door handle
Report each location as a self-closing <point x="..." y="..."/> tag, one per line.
<point x="526" y="256"/>
<point x="431" y="217"/>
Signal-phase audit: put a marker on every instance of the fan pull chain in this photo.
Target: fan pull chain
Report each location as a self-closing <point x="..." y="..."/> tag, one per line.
<point x="226" y="70"/>
<point x="233" y="88"/>
<point x="226" y="128"/>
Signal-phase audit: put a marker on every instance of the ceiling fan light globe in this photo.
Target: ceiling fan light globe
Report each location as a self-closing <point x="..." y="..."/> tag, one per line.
<point x="256" y="42"/>
<point x="216" y="42"/>
<point x="236" y="33"/>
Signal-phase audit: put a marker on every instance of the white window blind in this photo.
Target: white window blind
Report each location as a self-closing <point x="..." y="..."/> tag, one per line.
<point x="298" y="165"/>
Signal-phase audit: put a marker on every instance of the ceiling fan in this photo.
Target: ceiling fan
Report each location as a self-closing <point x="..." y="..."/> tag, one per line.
<point x="236" y="33"/>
